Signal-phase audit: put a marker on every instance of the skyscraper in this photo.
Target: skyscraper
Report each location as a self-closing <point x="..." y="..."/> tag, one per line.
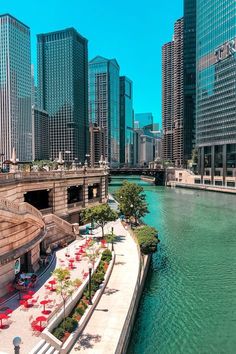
<point x="126" y="122"/>
<point x="40" y="134"/>
<point x="216" y="89"/>
<point x="104" y="103"/>
<point x="63" y="91"/>
<point x="15" y="89"/>
<point x="189" y="78"/>
<point x="167" y="100"/>
<point x="178" y="87"/>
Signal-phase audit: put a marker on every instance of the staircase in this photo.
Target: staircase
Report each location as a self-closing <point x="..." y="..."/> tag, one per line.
<point x="44" y="347"/>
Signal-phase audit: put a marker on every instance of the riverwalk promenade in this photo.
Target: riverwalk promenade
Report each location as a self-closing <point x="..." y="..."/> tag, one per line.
<point x="102" y="333"/>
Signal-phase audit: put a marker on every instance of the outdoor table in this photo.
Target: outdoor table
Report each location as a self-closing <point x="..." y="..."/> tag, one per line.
<point x="3" y="316"/>
<point x="44" y="303"/>
<point x="41" y="319"/>
<point x="52" y="282"/>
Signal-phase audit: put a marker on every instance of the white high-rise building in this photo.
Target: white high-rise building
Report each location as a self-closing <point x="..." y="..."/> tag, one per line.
<point x="15" y="89"/>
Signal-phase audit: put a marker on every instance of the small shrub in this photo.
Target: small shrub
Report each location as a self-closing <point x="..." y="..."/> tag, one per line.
<point x="147" y="239"/>
<point x="106" y="255"/>
<point x="59" y="333"/>
<point x="80" y="310"/>
<point x="98" y="277"/>
<point x="70" y="324"/>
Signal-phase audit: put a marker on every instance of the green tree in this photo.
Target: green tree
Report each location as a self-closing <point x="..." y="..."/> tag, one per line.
<point x="64" y="286"/>
<point x="101" y="215"/>
<point x="132" y="200"/>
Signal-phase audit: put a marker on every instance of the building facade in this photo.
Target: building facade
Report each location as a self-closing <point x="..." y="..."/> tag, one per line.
<point x="104" y="103"/>
<point x="216" y="89"/>
<point x="178" y="128"/>
<point x="167" y="100"/>
<point x="126" y="122"/>
<point x="189" y="78"/>
<point x="63" y="91"/>
<point x="40" y="122"/>
<point x="143" y="120"/>
<point x="15" y="89"/>
<point x="97" y="143"/>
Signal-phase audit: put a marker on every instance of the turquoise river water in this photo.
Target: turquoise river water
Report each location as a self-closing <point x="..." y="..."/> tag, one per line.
<point x="189" y="300"/>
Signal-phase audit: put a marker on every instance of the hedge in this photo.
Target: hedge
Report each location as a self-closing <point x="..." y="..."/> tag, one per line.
<point x="147" y="237"/>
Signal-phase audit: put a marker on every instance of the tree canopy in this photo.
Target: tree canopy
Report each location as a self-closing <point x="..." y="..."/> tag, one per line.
<point x="132" y="200"/>
<point x="100" y="214"/>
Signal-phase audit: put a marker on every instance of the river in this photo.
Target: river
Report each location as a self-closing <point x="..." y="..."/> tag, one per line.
<point x="189" y="300"/>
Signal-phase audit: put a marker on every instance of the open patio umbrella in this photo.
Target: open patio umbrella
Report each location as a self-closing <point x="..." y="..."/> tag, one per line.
<point x="41" y="319"/>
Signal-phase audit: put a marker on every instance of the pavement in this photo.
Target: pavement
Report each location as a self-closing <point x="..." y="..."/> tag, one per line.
<point x="102" y="332"/>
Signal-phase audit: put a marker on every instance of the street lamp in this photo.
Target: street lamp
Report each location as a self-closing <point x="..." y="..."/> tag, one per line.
<point x="90" y="266"/>
<point x="112" y="233"/>
<point x="16" y="342"/>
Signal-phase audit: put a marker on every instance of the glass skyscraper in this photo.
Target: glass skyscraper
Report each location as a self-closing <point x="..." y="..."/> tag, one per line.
<point x="189" y="62"/>
<point x="15" y="89"/>
<point x="63" y="91"/>
<point x="216" y="88"/>
<point x="104" y="103"/>
<point x="126" y="122"/>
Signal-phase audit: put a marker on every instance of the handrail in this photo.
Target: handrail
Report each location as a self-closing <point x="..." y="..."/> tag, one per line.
<point x="65" y="225"/>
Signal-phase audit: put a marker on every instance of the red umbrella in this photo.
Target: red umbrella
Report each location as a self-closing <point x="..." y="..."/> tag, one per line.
<point x="52" y="282"/>
<point x="44" y="303"/>
<point x="27" y="297"/>
<point x="3" y="316"/>
<point x="41" y="319"/>
<point x="8" y="311"/>
<point x="31" y="292"/>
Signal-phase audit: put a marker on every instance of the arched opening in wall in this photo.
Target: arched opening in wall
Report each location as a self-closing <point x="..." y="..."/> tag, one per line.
<point x="39" y="199"/>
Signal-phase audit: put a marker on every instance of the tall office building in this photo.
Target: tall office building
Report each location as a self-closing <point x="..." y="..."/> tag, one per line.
<point x="167" y="100"/>
<point x="178" y="127"/>
<point x="143" y="120"/>
<point x="63" y="91"/>
<point x="104" y="103"/>
<point x="40" y="134"/>
<point x="189" y="78"/>
<point x="126" y="122"/>
<point x="15" y="89"/>
<point x="216" y="89"/>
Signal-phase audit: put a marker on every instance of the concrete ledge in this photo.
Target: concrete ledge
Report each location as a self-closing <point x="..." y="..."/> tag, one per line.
<point x="144" y="263"/>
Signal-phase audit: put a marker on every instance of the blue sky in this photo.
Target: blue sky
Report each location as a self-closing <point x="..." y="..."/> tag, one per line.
<point x="132" y="31"/>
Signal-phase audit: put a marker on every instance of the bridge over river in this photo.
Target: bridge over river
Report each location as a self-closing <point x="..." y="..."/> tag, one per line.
<point x="158" y="174"/>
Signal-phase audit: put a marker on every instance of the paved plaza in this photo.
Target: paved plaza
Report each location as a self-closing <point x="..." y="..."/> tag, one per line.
<point x="19" y="322"/>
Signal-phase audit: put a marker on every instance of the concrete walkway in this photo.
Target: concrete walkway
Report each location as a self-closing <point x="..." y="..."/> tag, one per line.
<point x="102" y="333"/>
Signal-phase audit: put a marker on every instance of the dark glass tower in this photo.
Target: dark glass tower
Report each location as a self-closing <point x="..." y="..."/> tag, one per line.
<point x="189" y="53"/>
<point x="104" y="103"/>
<point x="216" y="88"/>
<point x="63" y="91"/>
<point x="126" y="122"/>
